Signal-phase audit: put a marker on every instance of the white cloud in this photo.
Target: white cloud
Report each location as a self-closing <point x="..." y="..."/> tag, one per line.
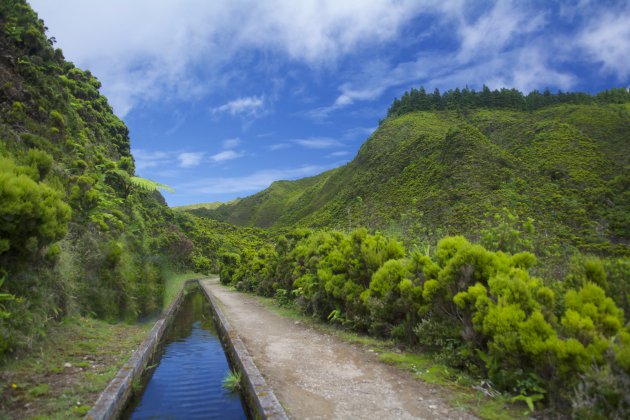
<point x="190" y="159"/>
<point x="166" y="161"/>
<point x="253" y="182"/>
<point x="158" y="50"/>
<point x="339" y="153"/>
<point x="231" y="143"/>
<point x="359" y="132"/>
<point x="279" y="146"/>
<point x="249" y="106"/>
<point x="607" y="40"/>
<point x="501" y="47"/>
<point x="320" y="31"/>
<point x="146" y="51"/>
<point x="226" y="155"/>
<point x="525" y="69"/>
<point x="317" y="143"/>
<point x="492" y="32"/>
<point x="150" y="159"/>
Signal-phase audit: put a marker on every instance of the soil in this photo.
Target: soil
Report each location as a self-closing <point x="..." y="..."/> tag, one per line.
<point x="316" y="375"/>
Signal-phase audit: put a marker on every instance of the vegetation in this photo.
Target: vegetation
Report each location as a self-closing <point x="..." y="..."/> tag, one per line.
<point x="512" y="99"/>
<point x="212" y="241"/>
<point x="479" y="310"/>
<point x="232" y="381"/>
<point x="464" y="390"/>
<point x="64" y="375"/>
<point x="80" y="233"/>
<point x="210" y="206"/>
<point x="490" y="228"/>
<point x="424" y="175"/>
<point x="173" y="283"/>
<point x="533" y="301"/>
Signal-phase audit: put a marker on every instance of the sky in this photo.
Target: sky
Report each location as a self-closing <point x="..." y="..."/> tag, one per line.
<point x="224" y="97"/>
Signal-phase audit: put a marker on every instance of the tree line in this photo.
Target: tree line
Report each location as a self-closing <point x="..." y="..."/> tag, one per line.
<point x="512" y="99"/>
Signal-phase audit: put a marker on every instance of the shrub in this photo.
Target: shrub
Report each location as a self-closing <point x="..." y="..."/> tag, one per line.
<point x="33" y="214"/>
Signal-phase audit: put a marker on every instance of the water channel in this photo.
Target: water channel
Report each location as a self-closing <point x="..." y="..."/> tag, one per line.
<point x="187" y="382"/>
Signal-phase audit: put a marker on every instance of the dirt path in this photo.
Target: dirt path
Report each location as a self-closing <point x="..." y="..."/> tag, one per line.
<point x="317" y="376"/>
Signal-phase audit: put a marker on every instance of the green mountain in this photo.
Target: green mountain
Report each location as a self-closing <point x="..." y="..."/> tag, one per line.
<point x="424" y="174"/>
<point x="210" y="206"/>
<point x="78" y="231"/>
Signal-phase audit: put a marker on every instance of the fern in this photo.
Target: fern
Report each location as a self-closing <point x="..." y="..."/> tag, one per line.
<point x="142" y="183"/>
<point x="148" y="185"/>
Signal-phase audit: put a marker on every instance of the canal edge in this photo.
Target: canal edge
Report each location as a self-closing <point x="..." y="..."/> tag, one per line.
<point x="112" y="401"/>
<point x="259" y="394"/>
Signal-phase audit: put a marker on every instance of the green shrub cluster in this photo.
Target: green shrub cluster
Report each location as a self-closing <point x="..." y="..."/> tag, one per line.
<point x="78" y="231"/>
<point x="212" y="241"/>
<point x="480" y="310"/>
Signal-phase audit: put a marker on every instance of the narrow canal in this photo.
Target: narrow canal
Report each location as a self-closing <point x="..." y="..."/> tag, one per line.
<point x="187" y="382"/>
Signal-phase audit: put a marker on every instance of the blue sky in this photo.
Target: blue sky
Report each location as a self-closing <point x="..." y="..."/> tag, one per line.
<point x="224" y="97"/>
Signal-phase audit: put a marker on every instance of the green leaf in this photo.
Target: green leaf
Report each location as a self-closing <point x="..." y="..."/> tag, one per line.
<point x="148" y="185"/>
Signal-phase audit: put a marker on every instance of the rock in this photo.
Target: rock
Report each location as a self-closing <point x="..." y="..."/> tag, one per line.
<point x="67" y="365"/>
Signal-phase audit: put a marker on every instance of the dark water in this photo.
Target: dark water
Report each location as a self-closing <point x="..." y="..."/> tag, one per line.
<point x="187" y="382"/>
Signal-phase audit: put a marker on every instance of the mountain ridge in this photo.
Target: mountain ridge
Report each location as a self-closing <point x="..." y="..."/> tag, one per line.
<point x="452" y="170"/>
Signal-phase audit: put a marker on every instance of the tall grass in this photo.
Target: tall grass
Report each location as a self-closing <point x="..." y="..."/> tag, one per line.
<point x="232" y="381"/>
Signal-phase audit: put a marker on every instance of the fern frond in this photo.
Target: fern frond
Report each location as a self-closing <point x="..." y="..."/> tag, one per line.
<point x="148" y="185"/>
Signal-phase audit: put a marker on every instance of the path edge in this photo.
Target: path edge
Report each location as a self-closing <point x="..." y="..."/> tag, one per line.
<point x="259" y="395"/>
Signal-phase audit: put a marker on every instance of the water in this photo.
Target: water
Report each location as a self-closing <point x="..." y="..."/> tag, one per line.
<point x="186" y="384"/>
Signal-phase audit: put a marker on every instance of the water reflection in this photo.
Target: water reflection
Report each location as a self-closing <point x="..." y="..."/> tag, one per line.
<point x="187" y="382"/>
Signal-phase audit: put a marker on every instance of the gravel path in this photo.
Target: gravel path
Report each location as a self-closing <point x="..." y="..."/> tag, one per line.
<point x="318" y="376"/>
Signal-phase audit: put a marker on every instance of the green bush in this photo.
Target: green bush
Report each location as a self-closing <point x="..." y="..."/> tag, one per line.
<point x="33" y="215"/>
<point x="476" y="309"/>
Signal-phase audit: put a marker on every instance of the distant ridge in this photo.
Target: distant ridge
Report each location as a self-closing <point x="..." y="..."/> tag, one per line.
<point x="209" y="206"/>
<point x="448" y="172"/>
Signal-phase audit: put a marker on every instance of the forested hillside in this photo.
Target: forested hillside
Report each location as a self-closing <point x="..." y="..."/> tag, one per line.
<point x="78" y="231"/>
<point x="425" y="174"/>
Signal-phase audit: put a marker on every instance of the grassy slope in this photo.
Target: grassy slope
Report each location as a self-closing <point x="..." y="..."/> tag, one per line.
<point x="268" y="207"/>
<point x="63" y="376"/>
<point x="450" y="172"/>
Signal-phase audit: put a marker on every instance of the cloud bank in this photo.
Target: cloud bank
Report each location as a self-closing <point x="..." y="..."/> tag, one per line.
<point x="154" y="50"/>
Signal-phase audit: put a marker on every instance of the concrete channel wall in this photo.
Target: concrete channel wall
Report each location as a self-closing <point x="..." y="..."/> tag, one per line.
<point x="261" y="399"/>
<point x="114" y="398"/>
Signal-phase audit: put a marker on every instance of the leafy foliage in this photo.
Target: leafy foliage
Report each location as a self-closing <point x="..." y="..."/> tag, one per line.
<point x="517" y="175"/>
<point x="512" y="99"/>
<point x="33" y="215"/>
<point x="480" y="310"/>
<point x="79" y="232"/>
<point x="540" y="173"/>
<point x="560" y="169"/>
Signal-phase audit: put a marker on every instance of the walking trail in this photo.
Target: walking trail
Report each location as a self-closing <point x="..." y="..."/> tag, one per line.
<point x="319" y="376"/>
